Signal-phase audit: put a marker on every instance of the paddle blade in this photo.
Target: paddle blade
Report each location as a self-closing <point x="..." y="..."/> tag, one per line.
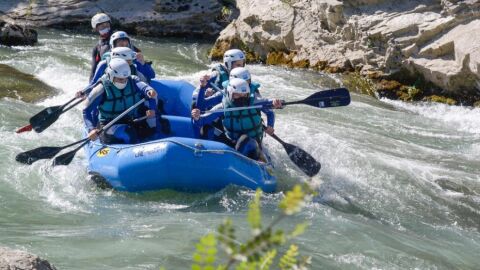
<point x="45" y="118"/>
<point x="24" y="129"/>
<point x="302" y="159"/>
<point x="66" y="158"/>
<point x="33" y="155"/>
<point x="328" y="98"/>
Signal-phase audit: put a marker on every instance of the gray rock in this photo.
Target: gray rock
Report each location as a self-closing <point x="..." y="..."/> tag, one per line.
<point x="20" y="260"/>
<point x="146" y="17"/>
<point x="436" y="38"/>
<point x="14" y="35"/>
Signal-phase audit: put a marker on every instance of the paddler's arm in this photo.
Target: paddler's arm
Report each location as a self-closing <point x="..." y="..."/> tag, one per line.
<point x="99" y="71"/>
<point x="95" y="60"/>
<point x="276" y="103"/>
<point x="199" y="120"/>
<point x="146" y="91"/>
<point x="91" y="106"/>
<point x="146" y="69"/>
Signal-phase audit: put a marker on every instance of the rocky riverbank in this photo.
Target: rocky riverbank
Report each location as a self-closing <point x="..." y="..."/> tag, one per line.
<point x="426" y="48"/>
<point x="144" y="17"/>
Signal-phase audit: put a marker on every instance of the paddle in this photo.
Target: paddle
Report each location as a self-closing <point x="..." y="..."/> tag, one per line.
<point x="321" y="99"/>
<point x="300" y="157"/>
<point x="43" y="152"/>
<point x="66" y="158"/>
<point x="45" y="118"/>
<point x="46" y="152"/>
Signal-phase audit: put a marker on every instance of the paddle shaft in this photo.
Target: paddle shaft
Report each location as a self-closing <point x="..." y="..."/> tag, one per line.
<point x="66" y="158"/>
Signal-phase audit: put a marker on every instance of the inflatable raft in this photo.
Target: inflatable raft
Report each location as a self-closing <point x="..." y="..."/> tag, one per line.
<point x="180" y="162"/>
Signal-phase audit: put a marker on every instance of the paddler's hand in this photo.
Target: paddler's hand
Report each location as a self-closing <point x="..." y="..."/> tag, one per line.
<point x="277" y="103"/>
<point x="150" y="113"/>
<point x="270" y="130"/>
<point x="204" y="80"/>
<point x="209" y="92"/>
<point x="80" y="94"/>
<point x="93" y="134"/>
<point x="196" y="114"/>
<point x="152" y="93"/>
<point x="140" y="58"/>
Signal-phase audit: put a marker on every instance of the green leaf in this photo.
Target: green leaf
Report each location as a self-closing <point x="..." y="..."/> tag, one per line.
<point x="293" y="201"/>
<point x="267" y="260"/>
<point x="289" y="259"/>
<point x="254" y="215"/>
<point x="205" y="255"/>
<point x="299" y="229"/>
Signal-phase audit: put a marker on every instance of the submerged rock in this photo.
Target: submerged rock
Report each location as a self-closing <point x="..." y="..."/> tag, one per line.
<point x="15" y="84"/>
<point x="452" y="186"/>
<point x="17" y="259"/>
<point x="14" y="35"/>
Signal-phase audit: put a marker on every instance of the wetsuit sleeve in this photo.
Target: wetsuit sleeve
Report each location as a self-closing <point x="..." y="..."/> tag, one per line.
<point x="94" y="63"/>
<point x="208" y="118"/>
<point x="91" y="107"/>
<point x="266" y="109"/>
<point x="145" y="69"/>
<point x="143" y="88"/>
<point x="270" y="116"/>
<point x="101" y="67"/>
<point x="213" y="100"/>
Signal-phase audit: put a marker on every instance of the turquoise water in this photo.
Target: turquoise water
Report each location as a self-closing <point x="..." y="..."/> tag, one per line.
<point x="380" y="205"/>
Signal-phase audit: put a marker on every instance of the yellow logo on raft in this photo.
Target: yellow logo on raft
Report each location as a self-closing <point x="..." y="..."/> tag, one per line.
<point x="103" y="152"/>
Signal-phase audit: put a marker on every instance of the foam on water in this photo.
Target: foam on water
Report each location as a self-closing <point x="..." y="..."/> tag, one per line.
<point x="458" y="118"/>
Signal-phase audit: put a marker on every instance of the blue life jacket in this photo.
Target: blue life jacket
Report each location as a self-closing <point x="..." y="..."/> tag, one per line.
<point x="241" y="122"/>
<point x="116" y="101"/>
<point x="223" y="75"/>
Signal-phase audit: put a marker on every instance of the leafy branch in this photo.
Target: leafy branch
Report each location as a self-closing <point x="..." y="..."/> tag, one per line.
<point x="260" y="251"/>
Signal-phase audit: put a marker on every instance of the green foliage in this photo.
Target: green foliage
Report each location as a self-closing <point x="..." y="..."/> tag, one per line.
<point x="259" y="252"/>
<point x="356" y="82"/>
<point x="293" y="201"/>
<point x="205" y="256"/>
<point x="254" y="215"/>
<point x="289" y="259"/>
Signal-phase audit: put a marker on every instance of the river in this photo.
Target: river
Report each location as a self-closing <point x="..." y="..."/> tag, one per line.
<point x="400" y="182"/>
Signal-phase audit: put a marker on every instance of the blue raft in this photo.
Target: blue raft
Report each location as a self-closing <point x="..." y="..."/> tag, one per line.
<point x="181" y="162"/>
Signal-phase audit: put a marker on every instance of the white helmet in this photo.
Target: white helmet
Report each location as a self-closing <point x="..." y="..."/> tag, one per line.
<point x="118" y="68"/>
<point x="124" y="53"/>
<point x="118" y="35"/>
<point x="241" y="73"/>
<point x="99" y="18"/>
<point x="232" y="56"/>
<point x="236" y="85"/>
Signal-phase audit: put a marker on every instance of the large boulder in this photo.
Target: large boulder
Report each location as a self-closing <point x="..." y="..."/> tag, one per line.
<point x="434" y="39"/>
<point x="16" y="259"/>
<point x="15" y="35"/>
<point x="146" y="17"/>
